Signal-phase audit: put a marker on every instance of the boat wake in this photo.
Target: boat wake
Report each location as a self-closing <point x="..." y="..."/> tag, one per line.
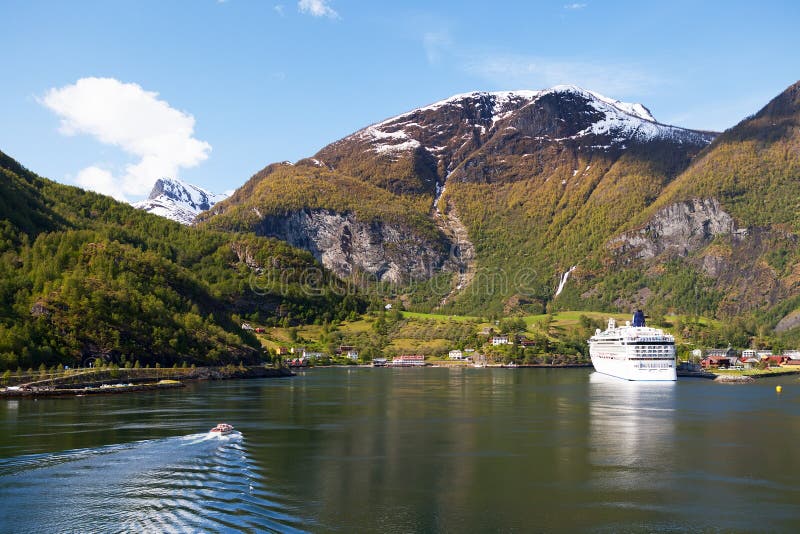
<point x="198" y="482"/>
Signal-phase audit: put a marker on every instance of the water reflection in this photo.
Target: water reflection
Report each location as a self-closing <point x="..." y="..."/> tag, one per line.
<point x="632" y="443"/>
<point x="632" y="427"/>
<point x="409" y="450"/>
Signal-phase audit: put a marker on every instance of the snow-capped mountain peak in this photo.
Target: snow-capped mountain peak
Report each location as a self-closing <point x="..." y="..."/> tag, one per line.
<point x="559" y="114"/>
<point x="635" y="110"/>
<point x="177" y="200"/>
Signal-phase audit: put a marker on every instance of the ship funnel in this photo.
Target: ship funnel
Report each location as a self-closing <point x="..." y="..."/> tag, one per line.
<point x="638" y="318"/>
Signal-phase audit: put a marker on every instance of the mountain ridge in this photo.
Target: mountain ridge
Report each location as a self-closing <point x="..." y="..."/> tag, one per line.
<point x="177" y="200"/>
<point x="553" y="152"/>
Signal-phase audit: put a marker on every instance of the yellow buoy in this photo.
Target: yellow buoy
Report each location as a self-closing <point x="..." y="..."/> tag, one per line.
<point x="778" y="388"/>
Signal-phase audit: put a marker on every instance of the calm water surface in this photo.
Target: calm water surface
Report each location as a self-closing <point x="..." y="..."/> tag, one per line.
<point x="408" y="450"/>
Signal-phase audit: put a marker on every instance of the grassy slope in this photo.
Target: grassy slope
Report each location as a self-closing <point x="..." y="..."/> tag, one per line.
<point x="529" y="231"/>
<point x="289" y="188"/>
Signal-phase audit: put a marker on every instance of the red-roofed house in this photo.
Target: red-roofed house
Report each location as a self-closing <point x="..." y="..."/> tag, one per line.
<point x="715" y="362"/>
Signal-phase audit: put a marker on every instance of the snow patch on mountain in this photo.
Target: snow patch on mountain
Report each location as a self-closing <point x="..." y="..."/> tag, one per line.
<point x="178" y="200"/>
<point x="621" y="121"/>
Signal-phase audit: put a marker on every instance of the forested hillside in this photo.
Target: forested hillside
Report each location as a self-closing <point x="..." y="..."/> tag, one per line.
<point x="83" y="276"/>
<point x="722" y="238"/>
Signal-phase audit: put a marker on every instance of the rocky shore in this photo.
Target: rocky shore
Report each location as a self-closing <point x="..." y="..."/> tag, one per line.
<point x="111" y="381"/>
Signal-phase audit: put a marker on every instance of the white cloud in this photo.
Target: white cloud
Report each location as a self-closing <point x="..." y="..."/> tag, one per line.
<point x="99" y="180"/>
<point x="575" y="6"/>
<point x="126" y="116"/>
<point x="317" y="8"/>
<point x="518" y="71"/>
<point x="278" y="8"/>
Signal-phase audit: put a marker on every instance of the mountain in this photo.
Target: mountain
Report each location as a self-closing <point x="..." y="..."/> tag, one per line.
<point x="177" y="200"/>
<point x="83" y="276"/>
<point x="730" y="220"/>
<point x="468" y="135"/>
<point x="477" y="203"/>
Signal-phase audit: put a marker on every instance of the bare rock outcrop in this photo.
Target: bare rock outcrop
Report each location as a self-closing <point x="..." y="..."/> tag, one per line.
<point x="349" y="246"/>
<point x="677" y="229"/>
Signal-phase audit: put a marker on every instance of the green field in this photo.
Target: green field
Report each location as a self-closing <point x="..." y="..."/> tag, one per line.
<point x="433" y="334"/>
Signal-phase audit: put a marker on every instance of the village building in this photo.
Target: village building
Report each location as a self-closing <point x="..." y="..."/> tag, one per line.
<point x="792" y="354"/>
<point x="500" y="340"/>
<point x="348" y="351"/>
<point x="729" y="353"/>
<point x="716" y="362"/>
<point x="774" y="361"/>
<point x="456" y="354"/>
<point x="525" y="342"/>
<point x="408" y="360"/>
<point x="749" y="363"/>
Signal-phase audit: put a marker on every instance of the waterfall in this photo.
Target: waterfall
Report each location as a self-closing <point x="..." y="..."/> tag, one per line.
<point x="563" y="281"/>
<point x="438" y="194"/>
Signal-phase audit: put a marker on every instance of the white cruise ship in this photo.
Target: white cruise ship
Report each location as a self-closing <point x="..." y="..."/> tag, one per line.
<point x="635" y="352"/>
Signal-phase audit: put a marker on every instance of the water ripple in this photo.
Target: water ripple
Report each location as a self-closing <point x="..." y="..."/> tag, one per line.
<point x="193" y="483"/>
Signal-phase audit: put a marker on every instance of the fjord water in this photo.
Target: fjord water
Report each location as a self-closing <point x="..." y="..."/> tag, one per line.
<point x="408" y="450"/>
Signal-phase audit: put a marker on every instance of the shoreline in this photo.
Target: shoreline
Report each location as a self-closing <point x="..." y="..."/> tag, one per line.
<point x="104" y="382"/>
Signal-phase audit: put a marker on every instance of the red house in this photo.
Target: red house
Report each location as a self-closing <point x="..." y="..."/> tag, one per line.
<point x="775" y="360"/>
<point x="715" y="362"/>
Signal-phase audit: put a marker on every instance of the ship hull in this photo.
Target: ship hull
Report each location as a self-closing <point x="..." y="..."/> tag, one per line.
<point x="626" y="370"/>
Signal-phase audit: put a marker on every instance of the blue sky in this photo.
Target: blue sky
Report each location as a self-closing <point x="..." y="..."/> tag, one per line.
<point x="214" y="90"/>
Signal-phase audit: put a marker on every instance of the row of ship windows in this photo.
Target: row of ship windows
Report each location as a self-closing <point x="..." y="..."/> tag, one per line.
<point x="666" y="357"/>
<point x="654" y="365"/>
<point x="617" y="341"/>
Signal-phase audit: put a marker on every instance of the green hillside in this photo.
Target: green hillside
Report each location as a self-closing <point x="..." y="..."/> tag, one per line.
<point x="286" y="188"/>
<point x="83" y="276"/>
<point x="753" y="172"/>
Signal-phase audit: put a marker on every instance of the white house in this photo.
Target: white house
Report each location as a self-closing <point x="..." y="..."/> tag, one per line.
<point x="312" y="355"/>
<point x="352" y="354"/>
<point x="456" y="355"/>
<point x="500" y="340"/>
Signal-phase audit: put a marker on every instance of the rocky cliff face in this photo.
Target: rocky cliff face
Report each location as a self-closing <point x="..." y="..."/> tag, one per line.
<point x="676" y="230"/>
<point x="348" y="246"/>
